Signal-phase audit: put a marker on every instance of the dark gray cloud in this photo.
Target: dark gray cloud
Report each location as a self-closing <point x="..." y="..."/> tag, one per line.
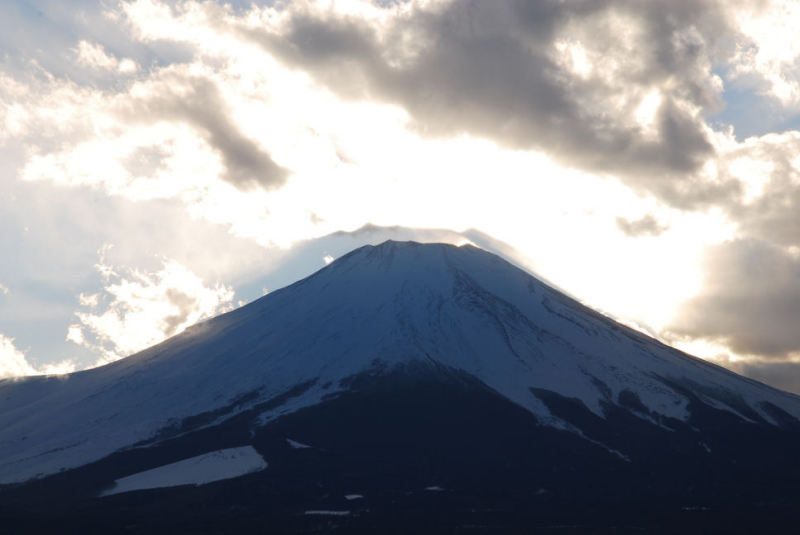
<point x="491" y="69"/>
<point x="197" y="102"/>
<point x="750" y="300"/>
<point x="782" y="375"/>
<point x="644" y="226"/>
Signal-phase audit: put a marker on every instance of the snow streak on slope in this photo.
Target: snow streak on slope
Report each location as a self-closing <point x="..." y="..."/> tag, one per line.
<point x="369" y="311"/>
<point x="199" y="470"/>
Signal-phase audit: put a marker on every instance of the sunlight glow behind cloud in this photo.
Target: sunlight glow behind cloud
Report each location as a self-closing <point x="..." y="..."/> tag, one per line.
<point x="770" y="50"/>
<point x="579" y="136"/>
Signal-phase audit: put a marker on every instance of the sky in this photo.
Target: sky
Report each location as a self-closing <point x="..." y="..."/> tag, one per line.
<point x="165" y="161"/>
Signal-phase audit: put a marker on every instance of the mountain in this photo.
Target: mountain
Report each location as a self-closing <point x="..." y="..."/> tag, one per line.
<point x="404" y="386"/>
<point x="278" y="269"/>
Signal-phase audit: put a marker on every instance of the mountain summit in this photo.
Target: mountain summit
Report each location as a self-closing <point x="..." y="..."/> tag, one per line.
<point x="399" y="368"/>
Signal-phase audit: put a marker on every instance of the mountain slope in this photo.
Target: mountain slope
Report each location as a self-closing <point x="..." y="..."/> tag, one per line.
<point x="404" y="385"/>
<point x="375" y="309"/>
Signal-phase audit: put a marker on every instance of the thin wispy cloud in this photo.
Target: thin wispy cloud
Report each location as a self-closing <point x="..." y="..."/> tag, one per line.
<point x="647" y="225"/>
<point x="137" y="309"/>
<point x="14" y="362"/>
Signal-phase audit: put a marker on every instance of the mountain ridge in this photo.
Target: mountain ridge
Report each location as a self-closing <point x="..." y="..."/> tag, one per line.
<point x="367" y="312"/>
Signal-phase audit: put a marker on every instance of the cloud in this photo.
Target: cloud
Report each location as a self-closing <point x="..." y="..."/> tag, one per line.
<point x="168" y="136"/>
<point x="57" y="368"/>
<point x="106" y="137"/>
<point x="14" y="363"/>
<point x="768" y="171"/>
<point x="196" y="101"/>
<point x="139" y="309"/>
<point x="647" y="225"/>
<point x="750" y="300"/>
<point x="606" y="86"/>
<point x="94" y="56"/>
<point x="767" y="55"/>
<point x="544" y="76"/>
<point x="782" y="375"/>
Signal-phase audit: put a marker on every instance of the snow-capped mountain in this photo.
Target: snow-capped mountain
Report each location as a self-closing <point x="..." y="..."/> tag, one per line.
<point x="387" y="347"/>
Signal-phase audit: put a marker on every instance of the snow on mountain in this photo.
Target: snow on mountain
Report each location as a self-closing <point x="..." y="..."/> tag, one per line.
<point x="371" y="310"/>
<point x="199" y="470"/>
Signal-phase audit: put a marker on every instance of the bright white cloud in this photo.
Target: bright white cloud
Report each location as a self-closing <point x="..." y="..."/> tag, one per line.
<point x="57" y="368"/>
<point x="139" y="309"/>
<point x="768" y="50"/>
<point x="14" y="363"/>
<point x="646" y="112"/>
<point x="88" y="300"/>
<point x="94" y="56"/>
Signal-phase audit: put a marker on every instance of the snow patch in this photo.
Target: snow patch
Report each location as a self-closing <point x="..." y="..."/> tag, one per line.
<point x="351" y="497"/>
<point x="297" y="445"/>
<point x="326" y="513"/>
<point x="434" y="488"/>
<point x="209" y="467"/>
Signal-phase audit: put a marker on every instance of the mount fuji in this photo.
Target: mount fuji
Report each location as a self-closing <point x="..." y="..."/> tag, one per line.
<point x="404" y="387"/>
